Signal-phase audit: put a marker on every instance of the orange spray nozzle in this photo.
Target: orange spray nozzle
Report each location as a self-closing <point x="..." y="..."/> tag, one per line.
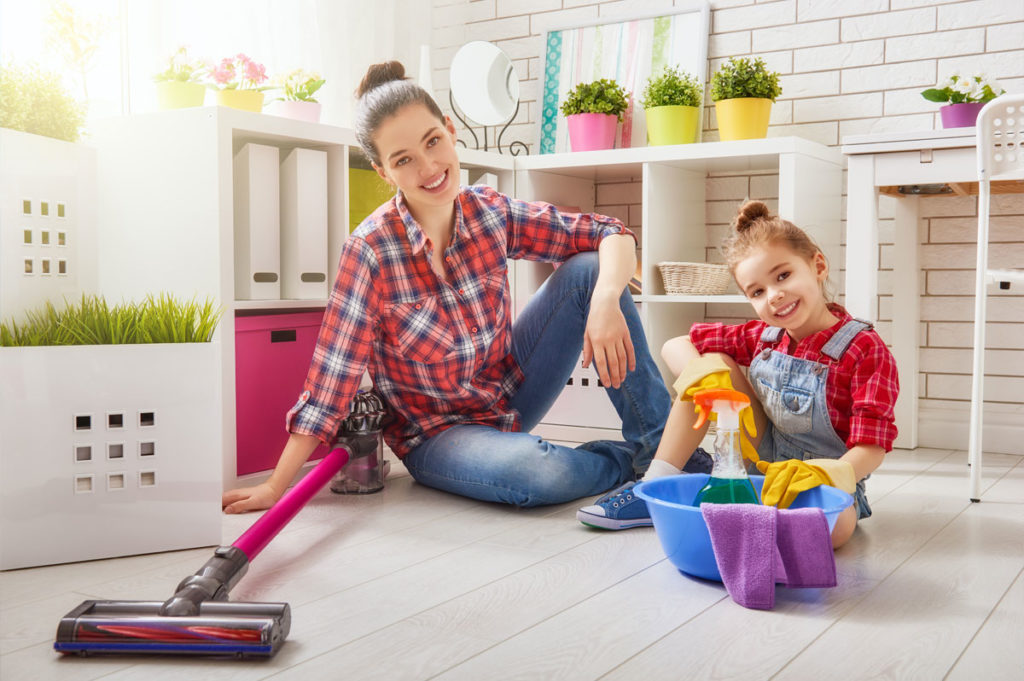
<point x="704" y="403"/>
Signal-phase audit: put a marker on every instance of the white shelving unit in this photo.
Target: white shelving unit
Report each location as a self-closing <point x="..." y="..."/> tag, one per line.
<point x="673" y="219"/>
<point x="166" y="214"/>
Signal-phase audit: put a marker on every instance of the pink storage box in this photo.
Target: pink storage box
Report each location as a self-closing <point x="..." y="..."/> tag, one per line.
<point x="272" y="355"/>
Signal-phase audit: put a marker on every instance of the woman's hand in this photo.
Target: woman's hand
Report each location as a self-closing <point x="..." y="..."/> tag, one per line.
<point x="606" y="340"/>
<point x="246" y="499"/>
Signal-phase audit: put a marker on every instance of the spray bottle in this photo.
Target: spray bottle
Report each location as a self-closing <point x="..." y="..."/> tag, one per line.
<point x="728" y="483"/>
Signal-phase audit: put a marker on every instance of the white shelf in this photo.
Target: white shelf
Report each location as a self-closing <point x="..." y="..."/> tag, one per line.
<point x="744" y="156"/>
<point x="728" y="298"/>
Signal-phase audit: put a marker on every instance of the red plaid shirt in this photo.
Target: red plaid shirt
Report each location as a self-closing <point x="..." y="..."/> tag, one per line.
<point x="860" y="388"/>
<point x="439" y="352"/>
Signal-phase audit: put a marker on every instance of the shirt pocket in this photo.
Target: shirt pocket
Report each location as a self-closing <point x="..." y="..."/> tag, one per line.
<point x="420" y="331"/>
<point x="790" y="410"/>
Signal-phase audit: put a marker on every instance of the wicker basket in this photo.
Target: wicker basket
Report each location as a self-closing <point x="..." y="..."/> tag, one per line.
<point x="695" y="278"/>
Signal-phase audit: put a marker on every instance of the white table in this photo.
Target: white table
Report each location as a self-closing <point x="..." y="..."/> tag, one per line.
<point x="882" y="163"/>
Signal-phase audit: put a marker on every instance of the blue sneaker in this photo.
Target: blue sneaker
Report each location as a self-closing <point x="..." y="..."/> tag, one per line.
<point x="620" y="509"/>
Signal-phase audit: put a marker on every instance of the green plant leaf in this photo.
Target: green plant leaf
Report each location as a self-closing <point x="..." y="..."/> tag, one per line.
<point x="602" y="96"/>
<point x="672" y="87"/>
<point x="91" y="321"/>
<point x="743" y="77"/>
<point x="32" y="100"/>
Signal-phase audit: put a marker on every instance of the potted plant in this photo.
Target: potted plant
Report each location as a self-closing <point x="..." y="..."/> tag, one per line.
<point x="111" y="420"/>
<point x="298" y="101"/>
<point x="966" y="96"/>
<point x="180" y="84"/>
<point x="593" y="111"/>
<point x="34" y="101"/>
<point x="672" y="102"/>
<point x="743" y="90"/>
<point x="238" y="82"/>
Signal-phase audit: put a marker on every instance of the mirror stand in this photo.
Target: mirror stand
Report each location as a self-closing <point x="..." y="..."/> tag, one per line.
<point x="515" y="147"/>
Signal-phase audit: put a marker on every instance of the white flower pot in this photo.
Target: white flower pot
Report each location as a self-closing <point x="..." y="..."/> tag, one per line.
<point x="108" y="450"/>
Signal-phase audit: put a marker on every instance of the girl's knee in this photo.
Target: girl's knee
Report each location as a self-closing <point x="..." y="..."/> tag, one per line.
<point x="846" y="523"/>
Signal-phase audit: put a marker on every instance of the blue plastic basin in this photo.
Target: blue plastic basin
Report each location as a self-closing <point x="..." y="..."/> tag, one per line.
<point x="680" y="525"/>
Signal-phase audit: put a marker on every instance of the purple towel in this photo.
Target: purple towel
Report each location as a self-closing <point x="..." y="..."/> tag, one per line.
<point x="758" y="546"/>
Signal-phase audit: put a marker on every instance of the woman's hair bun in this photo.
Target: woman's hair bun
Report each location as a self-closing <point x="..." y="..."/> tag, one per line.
<point x="749" y="213"/>
<point x="379" y="74"/>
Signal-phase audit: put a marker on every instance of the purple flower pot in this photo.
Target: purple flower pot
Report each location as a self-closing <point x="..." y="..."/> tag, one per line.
<point x="961" y="115"/>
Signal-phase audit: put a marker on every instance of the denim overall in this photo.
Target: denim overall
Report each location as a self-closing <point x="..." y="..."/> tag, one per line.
<point x="792" y="392"/>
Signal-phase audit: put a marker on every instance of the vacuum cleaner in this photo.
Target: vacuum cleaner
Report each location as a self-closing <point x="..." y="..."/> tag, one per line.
<point x="198" y="619"/>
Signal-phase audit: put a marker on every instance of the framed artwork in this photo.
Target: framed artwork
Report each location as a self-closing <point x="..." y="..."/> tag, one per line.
<point x="626" y="50"/>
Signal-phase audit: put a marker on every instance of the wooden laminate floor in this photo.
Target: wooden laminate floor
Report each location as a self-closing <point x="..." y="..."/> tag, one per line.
<point x="413" y="583"/>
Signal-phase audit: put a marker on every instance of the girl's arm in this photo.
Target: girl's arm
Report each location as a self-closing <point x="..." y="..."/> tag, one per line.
<point x="864" y="459"/>
<point x="606" y="340"/>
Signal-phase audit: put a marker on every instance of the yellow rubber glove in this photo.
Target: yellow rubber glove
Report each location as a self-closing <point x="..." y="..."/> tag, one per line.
<point x="709" y="372"/>
<point x="784" y="480"/>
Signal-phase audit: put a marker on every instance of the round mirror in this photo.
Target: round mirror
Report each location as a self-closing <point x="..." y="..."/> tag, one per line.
<point x="484" y="83"/>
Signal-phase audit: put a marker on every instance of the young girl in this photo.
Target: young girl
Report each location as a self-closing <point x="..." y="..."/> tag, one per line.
<point x="822" y="384"/>
<point x="422" y="301"/>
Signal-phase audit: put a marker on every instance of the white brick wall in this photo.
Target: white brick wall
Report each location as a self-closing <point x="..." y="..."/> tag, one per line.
<point x="848" y="67"/>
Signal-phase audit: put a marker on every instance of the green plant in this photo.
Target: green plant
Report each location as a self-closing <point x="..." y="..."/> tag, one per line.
<point x="76" y="37"/>
<point x="33" y="100"/>
<point x="742" y="77"/>
<point x="157" y="319"/>
<point x="672" y="87"/>
<point x="182" y="69"/>
<point x="601" y="96"/>
<point x="299" y="86"/>
<point x="959" y="89"/>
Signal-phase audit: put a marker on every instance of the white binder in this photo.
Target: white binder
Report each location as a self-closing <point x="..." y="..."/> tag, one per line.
<point x="304" y="225"/>
<point x="257" y="223"/>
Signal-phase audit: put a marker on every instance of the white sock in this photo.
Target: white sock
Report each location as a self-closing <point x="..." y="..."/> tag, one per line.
<point x="660" y="469"/>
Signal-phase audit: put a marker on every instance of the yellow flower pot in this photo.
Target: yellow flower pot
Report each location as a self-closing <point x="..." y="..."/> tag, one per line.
<point x="247" y="100"/>
<point x="744" y="118"/>
<point x="672" y="125"/>
<point x="173" y="94"/>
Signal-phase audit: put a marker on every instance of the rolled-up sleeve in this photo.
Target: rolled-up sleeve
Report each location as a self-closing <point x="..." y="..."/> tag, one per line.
<point x="344" y="346"/>
<point x="874" y="387"/>
<point x="540" y="231"/>
<point x="739" y="341"/>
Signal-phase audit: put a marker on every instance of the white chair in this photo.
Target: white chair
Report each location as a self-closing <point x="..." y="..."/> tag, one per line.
<point x="1000" y="140"/>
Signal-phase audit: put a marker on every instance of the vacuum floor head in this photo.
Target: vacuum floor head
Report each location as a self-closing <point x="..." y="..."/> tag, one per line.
<point x="127" y="627"/>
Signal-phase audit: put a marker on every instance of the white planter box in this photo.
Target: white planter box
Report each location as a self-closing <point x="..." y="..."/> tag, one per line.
<point x="47" y="221"/>
<point x="108" y="451"/>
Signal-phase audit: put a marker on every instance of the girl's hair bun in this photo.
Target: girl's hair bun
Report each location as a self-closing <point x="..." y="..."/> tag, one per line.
<point x="379" y="74"/>
<point x="749" y="213"/>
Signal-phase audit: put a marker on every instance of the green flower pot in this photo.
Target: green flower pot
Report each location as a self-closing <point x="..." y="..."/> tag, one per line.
<point x="672" y="125"/>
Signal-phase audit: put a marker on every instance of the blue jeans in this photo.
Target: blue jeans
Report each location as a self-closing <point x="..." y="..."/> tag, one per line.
<point x="522" y="469"/>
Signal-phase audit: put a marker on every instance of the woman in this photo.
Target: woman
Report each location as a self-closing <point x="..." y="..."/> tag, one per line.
<point x="422" y="301"/>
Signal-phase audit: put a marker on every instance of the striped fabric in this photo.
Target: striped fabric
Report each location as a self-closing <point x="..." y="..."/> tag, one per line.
<point x="628" y="52"/>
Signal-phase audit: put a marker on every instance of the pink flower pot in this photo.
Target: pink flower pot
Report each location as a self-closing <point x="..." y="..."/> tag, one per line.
<point x="303" y="111"/>
<point x="591" y="132"/>
<point x="961" y="115"/>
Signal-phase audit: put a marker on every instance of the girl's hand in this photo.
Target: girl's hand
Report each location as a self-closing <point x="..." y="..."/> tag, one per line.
<point x="606" y="340"/>
<point x="246" y="499"/>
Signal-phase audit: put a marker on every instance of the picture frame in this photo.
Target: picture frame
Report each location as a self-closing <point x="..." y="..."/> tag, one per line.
<point x="626" y="49"/>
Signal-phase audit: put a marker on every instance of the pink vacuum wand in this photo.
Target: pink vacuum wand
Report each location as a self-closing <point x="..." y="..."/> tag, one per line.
<point x="198" y="619"/>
